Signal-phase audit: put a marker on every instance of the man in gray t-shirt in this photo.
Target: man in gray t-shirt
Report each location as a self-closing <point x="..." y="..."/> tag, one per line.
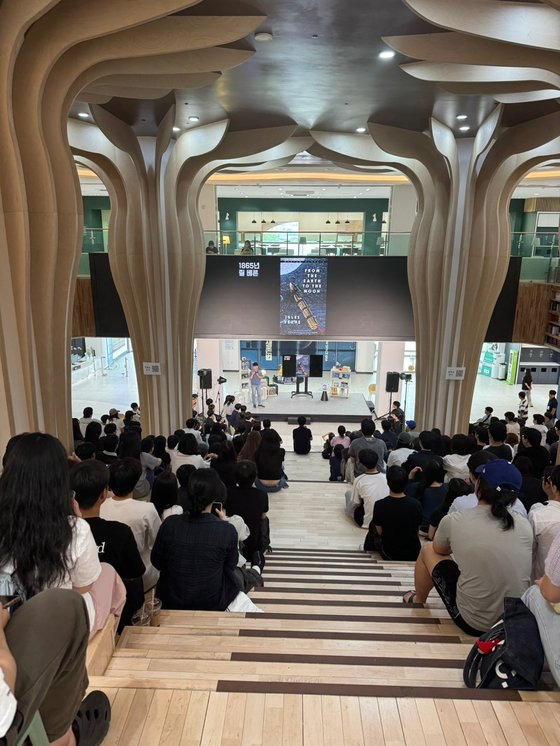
<point x="367" y="441"/>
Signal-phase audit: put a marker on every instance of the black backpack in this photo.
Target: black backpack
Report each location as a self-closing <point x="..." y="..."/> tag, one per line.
<point x="510" y="655"/>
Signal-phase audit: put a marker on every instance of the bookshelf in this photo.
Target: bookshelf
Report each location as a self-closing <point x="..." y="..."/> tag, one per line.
<point x="552" y="333"/>
<point x="340" y="381"/>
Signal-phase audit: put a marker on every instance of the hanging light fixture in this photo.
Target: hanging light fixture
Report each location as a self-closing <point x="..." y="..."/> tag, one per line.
<point x="337" y="222"/>
<point x="254" y="220"/>
<point x="263" y="222"/>
<point x="273" y="222"/>
<point x="328" y="220"/>
<point x="346" y="222"/>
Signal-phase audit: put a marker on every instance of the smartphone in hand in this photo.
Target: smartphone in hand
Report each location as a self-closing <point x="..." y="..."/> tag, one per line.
<point x="11" y="603"/>
<point x="215" y="508"/>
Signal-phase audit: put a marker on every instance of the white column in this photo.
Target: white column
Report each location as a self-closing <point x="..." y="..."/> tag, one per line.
<point x="365" y="352"/>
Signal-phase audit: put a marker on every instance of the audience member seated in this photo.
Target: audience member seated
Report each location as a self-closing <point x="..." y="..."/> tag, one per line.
<point x="187" y="453"/>
<point x="538" y="424"/>
<point x="302" y="437"/>
<point x="250" y="445"/>
<point x="455" y="464"/>
<point x="224" y="464"/>
<point x="532" y="489"/>
<point x="341" y="438"/>
<point x="43" y="648"/>
<point x="86" y="419"/>
<point x="193" y="428"/>
<point x="388" y="436"/>
<point x="35" y="502"/>
<point x="512" y="439"/>
<point x="251" y="504"/>
<point x="393" y="530"/>
<point x="77" y="435"/>
<point x="492" y="551"/>
<point x="455" y="488"/>
<point x="108" y="453"/>
<point x="430" y="489"/>
<point x="115" y="420"/>
<point x="545" y="520"/>
<point x="467" y="502"/>
<point x="183" y="495"/>
<point x="267" y="425"/>
<point x="486" y="417"/>
<point x="404" y="449"/>
<point x="115" y="541"/>
<point x="497" y="433"/>
<point x="269" y="460"/>
<point x="482" y="438"/>
<point x="512" y="426"/>
<point x="93" y="433"/>
<point x="85" y="451"/>
<point x="142" y="517"/>
<point x="130" y="446"/>
<point x="197" y="554"/>
<point x="335" y="463"/>
<point x="368" y="487"/>
<point x="427" y="441"/>
<point x="165" y="495"/>
<point x="543" y="600"/>
<point x="368" y="440"/>
<point x="160" y="451"/>
<point x="149" y="462"/>
<point x="533" y="450"/>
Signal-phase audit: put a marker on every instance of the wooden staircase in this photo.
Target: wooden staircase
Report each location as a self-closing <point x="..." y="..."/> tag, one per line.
<point x="336" y="658"/>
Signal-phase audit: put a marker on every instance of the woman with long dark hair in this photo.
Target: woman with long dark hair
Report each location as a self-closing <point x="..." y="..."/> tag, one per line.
<point x="197" y="553"/>
<point x="492" y="553"/>
<point x="251" y="446"/>
<point x="165" y="495"/>
<point x="43" y="541"/>
<point x="430" y="490"/>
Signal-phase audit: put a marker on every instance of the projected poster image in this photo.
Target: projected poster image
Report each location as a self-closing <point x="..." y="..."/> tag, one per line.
<point x="303" y="296"/>
<point x="302" y="365"/>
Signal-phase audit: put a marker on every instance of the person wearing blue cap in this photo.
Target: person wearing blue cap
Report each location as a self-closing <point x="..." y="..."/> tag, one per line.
<point x="492" y="553"/>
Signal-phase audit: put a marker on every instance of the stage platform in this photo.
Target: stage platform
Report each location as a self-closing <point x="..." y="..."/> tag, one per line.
<point x="284" y="408"/>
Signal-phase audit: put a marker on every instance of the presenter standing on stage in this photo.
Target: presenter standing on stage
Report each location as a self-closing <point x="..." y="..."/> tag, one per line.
<point x="255" y="376"/>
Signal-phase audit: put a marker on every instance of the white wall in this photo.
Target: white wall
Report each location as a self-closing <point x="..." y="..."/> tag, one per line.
<point x="364" y="357"/>
<point x="402" y="208"/>
<point x="207" y="207"/>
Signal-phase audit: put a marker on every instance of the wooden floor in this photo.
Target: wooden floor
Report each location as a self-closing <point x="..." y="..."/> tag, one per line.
<point x="335" y="658"/>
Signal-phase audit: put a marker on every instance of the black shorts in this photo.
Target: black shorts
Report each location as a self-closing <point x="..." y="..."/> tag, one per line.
<point x="445" y="576"/>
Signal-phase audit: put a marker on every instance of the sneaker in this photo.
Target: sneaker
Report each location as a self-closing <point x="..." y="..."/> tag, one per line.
<point x="92" y="720"/>
<point x="261" y="405"/>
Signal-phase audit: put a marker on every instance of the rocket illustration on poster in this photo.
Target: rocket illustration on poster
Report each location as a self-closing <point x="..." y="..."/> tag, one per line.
<point x="303" y="296"/>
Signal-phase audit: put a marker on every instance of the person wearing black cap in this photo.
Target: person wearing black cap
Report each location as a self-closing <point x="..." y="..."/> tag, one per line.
<point x="492" y="550"/>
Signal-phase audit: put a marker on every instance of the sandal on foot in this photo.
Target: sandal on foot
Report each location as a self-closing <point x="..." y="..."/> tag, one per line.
<point x="408" y="597"/>
<point x="92" y="720"/>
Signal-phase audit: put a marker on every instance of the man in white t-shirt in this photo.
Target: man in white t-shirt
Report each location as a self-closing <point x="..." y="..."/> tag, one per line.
<point x="43" y="666"/>
<point x="142" y="517"/>
<point x="545" y="522"/>
<point x="366" y="490"/>
<point x="86" y="419"/>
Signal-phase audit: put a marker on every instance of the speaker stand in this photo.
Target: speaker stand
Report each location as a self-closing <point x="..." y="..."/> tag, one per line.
<point x="305" y="392"/>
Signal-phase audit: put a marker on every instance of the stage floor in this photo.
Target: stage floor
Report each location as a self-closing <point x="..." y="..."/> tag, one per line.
<point x="283" y="407"/>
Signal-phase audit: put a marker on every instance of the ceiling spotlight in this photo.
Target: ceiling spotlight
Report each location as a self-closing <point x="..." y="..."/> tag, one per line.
<point x="253" y="221"/>
<point x="337" y="222"/>
<point x="387" y="54"/>
<point x="328" y="222"/>
<point x="346" y="222"/>
<point x="460" y="117"/>
<point x="263" y="36"/>
<point x="176" y="129"/>
<point x="361" y="130"/>
<point x="83" y="114"/>
<point x="192" y="118"/>
<point x="464" y="128"/>
<point x="273" y="222"/>
<point x="263" y="222"/>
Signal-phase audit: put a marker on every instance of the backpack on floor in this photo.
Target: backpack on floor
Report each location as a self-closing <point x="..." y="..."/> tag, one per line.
<point x="510" y="655"/>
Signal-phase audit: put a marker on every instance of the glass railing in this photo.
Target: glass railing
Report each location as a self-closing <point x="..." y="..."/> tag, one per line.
<point x="318" y="243"/>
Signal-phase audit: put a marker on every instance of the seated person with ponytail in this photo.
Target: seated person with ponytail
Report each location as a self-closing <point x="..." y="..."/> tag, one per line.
<point x="492" y="551"/>
<point x="197" y="553"/>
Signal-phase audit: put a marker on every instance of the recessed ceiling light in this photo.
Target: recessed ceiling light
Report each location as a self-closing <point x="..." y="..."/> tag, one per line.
<point x="83" y="114"/>
<point x="464" y="128"/>
<point x="361" y="130"/>
<point x="324" y="189"/>
<point x="460" y="117"/>
<point x="192" y="118"/>
<point x="263" y="36"/>
<point x="387" y="54"/>
<point x="176" y="129"/>
<point x="367" y="190"/>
